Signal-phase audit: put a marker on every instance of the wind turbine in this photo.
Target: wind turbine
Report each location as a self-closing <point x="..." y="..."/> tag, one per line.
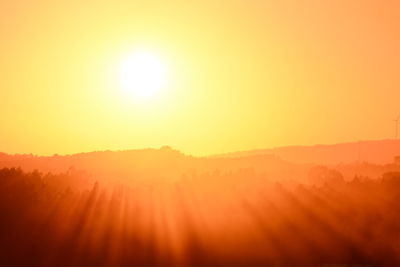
<point x="397" y="126"/>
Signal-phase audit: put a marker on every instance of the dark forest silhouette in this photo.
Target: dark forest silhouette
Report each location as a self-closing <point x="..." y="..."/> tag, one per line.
<point x="249" y="211"/>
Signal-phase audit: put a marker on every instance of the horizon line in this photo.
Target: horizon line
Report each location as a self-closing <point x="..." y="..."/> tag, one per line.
<point x="221" y="154"/>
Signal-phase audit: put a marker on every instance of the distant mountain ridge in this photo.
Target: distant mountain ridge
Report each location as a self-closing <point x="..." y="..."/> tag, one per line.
<point x="373" y="151"/>
<point x="150" y="163"/>
<point x="291" y="162"/>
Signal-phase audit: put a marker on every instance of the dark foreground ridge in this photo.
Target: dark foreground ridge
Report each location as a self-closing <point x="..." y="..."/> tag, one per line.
<point x="220" y="219"/>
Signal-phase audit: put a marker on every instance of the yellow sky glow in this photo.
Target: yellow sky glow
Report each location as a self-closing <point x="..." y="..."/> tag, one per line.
<point x="240" y="74"/>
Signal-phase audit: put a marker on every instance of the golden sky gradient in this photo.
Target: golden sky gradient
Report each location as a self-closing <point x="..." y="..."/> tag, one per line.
<point x="241" y="74"/>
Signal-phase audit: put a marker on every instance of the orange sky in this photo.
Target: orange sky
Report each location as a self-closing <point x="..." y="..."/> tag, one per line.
<point x="242" y="74"/>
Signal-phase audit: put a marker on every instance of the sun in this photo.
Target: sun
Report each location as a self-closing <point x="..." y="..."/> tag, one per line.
<point x="142" y="75"/>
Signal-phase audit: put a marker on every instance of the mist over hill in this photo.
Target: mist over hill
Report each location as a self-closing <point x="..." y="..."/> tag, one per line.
<point x="366" y="158"/>
<point x="159" y="207"/>
<point x="151" y="164"/>
<point x="374" y="151"/>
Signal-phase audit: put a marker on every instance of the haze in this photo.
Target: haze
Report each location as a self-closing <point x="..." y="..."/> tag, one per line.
<point x="177" y="133"/>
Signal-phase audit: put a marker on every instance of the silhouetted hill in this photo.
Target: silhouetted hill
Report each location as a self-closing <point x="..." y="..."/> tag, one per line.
<point x="151" y="164"/>
<point x="377" y="152"/>
<point x="160" y="207"/>
<point x="166" y="164"/>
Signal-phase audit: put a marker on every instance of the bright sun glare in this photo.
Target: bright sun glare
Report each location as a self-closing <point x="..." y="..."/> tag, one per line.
<point x="142" y="75"/>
